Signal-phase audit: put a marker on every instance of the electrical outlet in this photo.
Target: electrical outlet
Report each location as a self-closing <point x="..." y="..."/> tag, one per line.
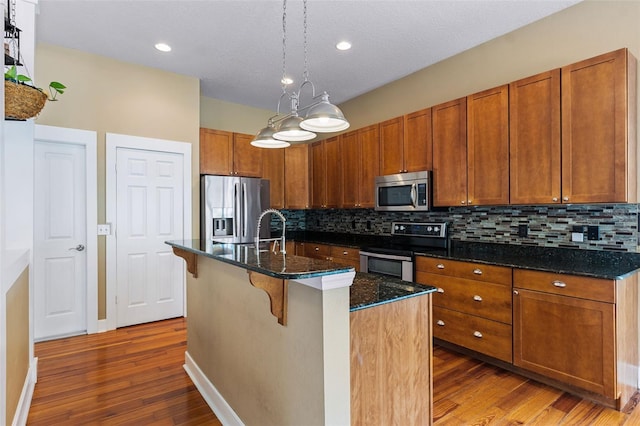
<point x="368" y="225"/>
<point x="523" y="231"/>
<point x="593" y="232"/>
<point x="104" y="229"/>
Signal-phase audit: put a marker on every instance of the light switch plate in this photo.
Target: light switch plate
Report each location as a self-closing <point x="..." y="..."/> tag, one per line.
<point x="104" y="229"/>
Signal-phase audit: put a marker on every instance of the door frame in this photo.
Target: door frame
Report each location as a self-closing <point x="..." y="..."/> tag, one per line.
<point x="88" y="139"/>
<point x="113" y="142"/>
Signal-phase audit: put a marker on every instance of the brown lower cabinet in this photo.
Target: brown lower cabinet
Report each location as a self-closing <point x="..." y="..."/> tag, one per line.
<point x="580" y="333"/>
<point x="343" y="255"/>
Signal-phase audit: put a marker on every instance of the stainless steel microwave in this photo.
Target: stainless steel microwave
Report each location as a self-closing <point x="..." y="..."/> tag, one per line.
<point x="404" y="192"/>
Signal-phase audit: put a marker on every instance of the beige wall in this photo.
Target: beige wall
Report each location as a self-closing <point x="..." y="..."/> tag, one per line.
<point x="105" y="95"/>
<point x="268" y="373"/>
<point x="578" y="32"/>
<point x="17" y="342"/>
<point x="221" y="115"/>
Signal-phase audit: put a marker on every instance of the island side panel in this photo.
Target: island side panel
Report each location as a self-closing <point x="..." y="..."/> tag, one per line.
<point x="268" y="373"/>
<point x="391" y="363"/>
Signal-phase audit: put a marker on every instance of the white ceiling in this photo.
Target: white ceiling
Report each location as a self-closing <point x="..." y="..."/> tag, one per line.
<point x="235" y="46"/>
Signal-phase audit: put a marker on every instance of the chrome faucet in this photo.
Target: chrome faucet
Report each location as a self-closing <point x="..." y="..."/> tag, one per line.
<point x="281" y="240"/>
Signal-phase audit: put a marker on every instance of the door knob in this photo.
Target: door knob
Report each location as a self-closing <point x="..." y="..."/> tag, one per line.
<point x="79" y="247"/>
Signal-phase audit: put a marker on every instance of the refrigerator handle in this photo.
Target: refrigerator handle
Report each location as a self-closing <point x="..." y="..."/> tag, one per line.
<point x="236" y="210"/>
<point x="245" y="215"/>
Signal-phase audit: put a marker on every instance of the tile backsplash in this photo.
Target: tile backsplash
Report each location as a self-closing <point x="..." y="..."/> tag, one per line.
<point x="548" y="226"/>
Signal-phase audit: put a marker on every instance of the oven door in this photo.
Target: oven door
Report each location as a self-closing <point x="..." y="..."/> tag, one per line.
<point x="400" y="267"/>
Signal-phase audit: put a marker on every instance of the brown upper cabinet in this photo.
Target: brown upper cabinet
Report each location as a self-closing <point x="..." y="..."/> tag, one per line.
<point x="360" y="166"/>
<point x="227" y="153"/>
<point x="599" y="129"/>
<point x="326" y="175"/>
<point x="296" y="177"/>
<point x="534" y="130"/>
<point x="488" y="147"/>
<point x="273" y="169"/>
<point x="406" y="143"/>
<point x="450" y="153"/>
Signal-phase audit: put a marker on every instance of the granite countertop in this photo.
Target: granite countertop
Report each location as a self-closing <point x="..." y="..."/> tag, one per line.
<point x="265" y="262"/>
<point x="604" y="264"/>
<point x="370" y="290"/>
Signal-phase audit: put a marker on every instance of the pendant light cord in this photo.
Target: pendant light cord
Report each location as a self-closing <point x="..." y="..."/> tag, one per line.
<point x="305" y="74"/>
<point x="284" y="46"/>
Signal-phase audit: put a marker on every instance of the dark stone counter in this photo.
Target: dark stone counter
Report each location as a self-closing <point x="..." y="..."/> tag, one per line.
<point x="370" y="290"/>
<point x="287" y="267"/>
<point x="593" y="263"/>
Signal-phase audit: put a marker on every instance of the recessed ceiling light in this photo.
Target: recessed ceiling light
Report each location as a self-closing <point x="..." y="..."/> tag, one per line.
<point x="343" y="45"/>
<point x="163" y="47"/>
<point x="286" y="81"/>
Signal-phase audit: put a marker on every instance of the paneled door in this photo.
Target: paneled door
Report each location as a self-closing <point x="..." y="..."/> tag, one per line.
<point x="60" y="239"/>
<point x="150" y="279"/>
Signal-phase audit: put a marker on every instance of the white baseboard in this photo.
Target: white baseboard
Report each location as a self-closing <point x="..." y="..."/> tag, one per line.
<point x="24" y="403"/>
<point x="212" y="397"/>
<point x="102" y="326"/>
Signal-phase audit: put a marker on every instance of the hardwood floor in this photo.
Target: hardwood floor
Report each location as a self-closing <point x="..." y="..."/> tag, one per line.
<point x="134" y="376"/>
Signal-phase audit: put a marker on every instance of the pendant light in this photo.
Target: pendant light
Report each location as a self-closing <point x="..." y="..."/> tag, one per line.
<point x="321" y="115"/>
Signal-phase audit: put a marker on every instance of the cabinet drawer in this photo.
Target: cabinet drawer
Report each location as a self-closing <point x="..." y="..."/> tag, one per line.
<point x="487" y="300"/>
<point x="349" y="253"/>
<point x="469" y="270"/>
<point x="478" y="334"/>
<point x="319" y="251"/>
<point x="568" y="285"/>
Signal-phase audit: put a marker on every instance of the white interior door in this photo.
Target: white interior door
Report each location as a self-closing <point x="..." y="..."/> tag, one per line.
<point x="60" y="238"/>
<point x="149" y="197"/>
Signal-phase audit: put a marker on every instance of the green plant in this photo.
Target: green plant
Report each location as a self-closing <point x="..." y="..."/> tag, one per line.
<point x="54" y="87"/>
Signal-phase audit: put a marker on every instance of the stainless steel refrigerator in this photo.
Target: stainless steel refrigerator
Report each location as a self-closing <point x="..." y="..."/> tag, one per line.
<point x="230" y="207"/>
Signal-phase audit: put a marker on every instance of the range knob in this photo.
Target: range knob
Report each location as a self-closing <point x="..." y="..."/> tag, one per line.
<point x="429" y="229"/>
<point x="436" y="229"/>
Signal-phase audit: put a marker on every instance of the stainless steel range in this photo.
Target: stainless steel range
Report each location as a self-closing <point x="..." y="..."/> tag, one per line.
<point x="395" y="255"/>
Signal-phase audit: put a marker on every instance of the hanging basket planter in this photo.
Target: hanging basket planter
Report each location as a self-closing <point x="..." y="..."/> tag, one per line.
<point x="22" y="101"/>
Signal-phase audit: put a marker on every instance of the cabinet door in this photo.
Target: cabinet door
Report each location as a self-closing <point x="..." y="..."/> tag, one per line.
<point x="418" y="141"/>
<point x="450" y="153"/>
<point x="318" y="175"/>
<point x="392" y="146"/>
<point x="216" y="152"/>
<point x="333" y="172"/>
<point x="350" y="168"/>
<point x="565" y="338"/>
<point x="273" y="169"/>
<point x="488" y="147"/>
<point x="598" y="161"/>
<point x="370" y="165"/>
<point x="534" y="145"/>
<point x="296" y="177"/>
<point x="247" y="159"/>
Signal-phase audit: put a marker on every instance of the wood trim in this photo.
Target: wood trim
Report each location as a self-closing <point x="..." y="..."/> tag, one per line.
<point x="278" y="291"/>
<point x="190" y="258"/>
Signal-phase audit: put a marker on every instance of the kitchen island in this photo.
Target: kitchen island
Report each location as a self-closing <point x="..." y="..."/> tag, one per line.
<point x="317" y="356"/>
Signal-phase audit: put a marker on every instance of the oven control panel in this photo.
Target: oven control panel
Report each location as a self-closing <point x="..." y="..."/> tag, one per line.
<point x="420" y="229"/>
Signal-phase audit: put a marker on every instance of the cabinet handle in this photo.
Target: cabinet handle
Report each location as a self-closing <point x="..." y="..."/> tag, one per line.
<point x="554" y="199"/>
<point x="516" y="292"/>
<point x="565" y="198"/>
<point x="477" y="334"/>
<point x="344" y="253"/>
<point x="440" y="266"/>
<point x="440" y="323"/>
<point x="477" y="298"/>
<point x="440" y="290"/>
<point x="463" y="202"/>
<point x="559" y="284"/>
<point x="477" y="271"/>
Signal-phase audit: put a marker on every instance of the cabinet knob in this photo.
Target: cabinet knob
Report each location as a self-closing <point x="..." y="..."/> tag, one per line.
<point x="477" y="298"/>
<point x="317" y="248"/>
<point x="440" y="323"/>
<point x="565" y="198"/>
<point x="440" y="266"/>
<point x="463" y="202"/>
<point x="469" y="202"/>
<point x="440" y="290"/>
<point x="344" y="253"/>
<point x="516" y="292"/>
<point x="554" y="199"/>
<point x="477" y="271"/>
<point x="477" y="334"/>
<point x="559" y="284"/>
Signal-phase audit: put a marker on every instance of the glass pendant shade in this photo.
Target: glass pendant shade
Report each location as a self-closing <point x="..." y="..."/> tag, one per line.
<point x="324" y="117"/>
<point x="264" y="139"/>
<point x="290" y="130"/>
